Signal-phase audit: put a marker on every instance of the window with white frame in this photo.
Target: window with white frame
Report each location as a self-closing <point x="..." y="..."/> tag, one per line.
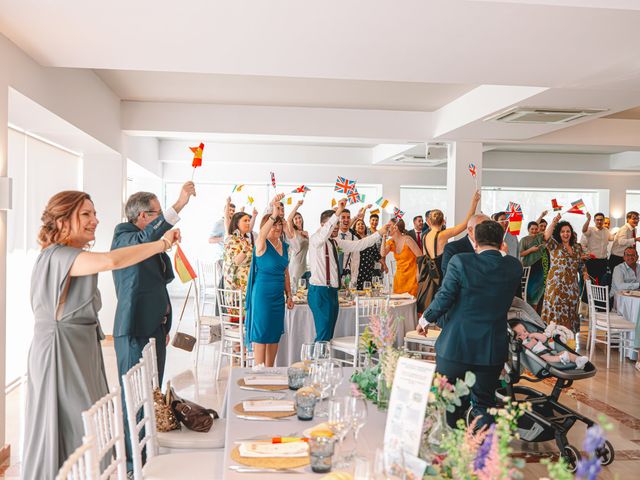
<point x="416" y="200"/>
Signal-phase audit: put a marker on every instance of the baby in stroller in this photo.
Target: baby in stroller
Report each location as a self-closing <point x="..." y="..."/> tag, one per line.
<point x="537" y="343"/>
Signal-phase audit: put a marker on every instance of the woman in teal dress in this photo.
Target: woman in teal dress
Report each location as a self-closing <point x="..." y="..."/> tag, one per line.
<point x="532" y="251"/>
<point x="267" y="289"/>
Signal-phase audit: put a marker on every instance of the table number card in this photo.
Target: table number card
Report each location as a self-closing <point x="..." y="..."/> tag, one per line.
<point x="407" y="408"/>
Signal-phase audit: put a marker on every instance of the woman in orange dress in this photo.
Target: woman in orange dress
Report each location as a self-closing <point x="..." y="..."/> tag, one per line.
<point x="405" y="251"/>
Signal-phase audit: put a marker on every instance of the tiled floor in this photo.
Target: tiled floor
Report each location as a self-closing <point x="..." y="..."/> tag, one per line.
<point x="614" y="392"/>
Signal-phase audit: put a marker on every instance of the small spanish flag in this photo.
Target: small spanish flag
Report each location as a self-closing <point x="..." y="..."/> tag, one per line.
<point x="333" y="202"/>
<point x="375" y="212"/>
<point x="197" y="155"/>
<point x="289" y="201"/>
<point x="183" y="267"/>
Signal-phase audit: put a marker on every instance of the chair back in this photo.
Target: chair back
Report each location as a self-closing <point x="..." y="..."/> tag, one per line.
<point x="231" y="304"/>
<point x="598" y="298"/>
<point x="208" y="274"/>
<point x="365" y="309"/>
<point x="103" y="423"/>
<point x="82" y="463"/>
<point x="524" y="281"/>
<point x="138" y="399"/>
<point x="151" y="357"/>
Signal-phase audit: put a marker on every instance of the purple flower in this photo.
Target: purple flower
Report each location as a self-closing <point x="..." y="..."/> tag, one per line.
<point x="483" y="452"/>
<point x="593" y="440"/>
<point x="588" y="468"/>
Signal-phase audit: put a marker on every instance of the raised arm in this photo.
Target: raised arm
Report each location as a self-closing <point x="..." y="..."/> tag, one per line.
<point x="358" y="245"/>
<point x="252" y="222"/>
<point x="290" y="230"/>
<point x="261" y="241"/>
<point x="89" y="263"/>
<point x="542" y="215"/>
<point x="227" y="208"/>
<point x="585" y="227"/>
<point x="459" y="228"/>
<point x="549" y="231"/>
<point x="359" y="216"/>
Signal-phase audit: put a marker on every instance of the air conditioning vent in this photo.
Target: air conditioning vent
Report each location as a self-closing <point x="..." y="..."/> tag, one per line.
<point x="543" y="115"/>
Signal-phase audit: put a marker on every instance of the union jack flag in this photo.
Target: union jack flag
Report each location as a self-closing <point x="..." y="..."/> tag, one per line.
<point x="397" y="213"/>
<point x="514" y="211"/>
<point x="355" y="197"/>
<point x="344" y="185"/>
<point x="472" y="169"/>
<point x="301" y="189"/>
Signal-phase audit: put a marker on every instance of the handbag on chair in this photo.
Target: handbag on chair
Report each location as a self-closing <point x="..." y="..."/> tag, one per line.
<point x="165" y="418"/>
<point x="182" y="340"/>
<point x="195" y="417"/>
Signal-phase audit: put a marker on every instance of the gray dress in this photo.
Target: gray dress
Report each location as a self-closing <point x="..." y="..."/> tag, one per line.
<point x="298" y="258"/>
<point x="65" y="368"/>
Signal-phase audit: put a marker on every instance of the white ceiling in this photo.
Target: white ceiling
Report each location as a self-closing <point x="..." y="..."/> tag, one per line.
<point x="458" y="60"/>
<point x="279" y="91"/>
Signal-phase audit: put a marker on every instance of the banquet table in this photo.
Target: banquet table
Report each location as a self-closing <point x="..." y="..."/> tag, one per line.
<point x="370" y="437"/>
<point x="628" y="305"/>
<point x="299" y="327"/>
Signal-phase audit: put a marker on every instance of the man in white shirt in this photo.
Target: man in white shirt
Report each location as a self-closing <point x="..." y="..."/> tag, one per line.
<point x="349" y="261"/>
<point x="324" y="265"/>
<point x="626" y="276"/>
<point x="596" y="241"/>
<point x="627" y="236"/>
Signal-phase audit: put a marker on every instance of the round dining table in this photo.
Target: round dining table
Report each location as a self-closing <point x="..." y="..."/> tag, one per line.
<point x="628" y="305"/>
<point x="299" y="327"/>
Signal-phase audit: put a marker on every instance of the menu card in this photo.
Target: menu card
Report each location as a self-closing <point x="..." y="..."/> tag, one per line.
<point x="407" y="408"/>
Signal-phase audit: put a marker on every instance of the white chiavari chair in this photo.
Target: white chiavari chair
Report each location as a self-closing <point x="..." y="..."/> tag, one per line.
<point x="231" y="304"/>
<point x="208" y="327"/>
<point x="81" y="464"/>
<point x="524" y="281"/>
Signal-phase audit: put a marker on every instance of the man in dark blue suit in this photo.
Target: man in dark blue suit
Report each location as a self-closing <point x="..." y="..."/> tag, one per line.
<point x="476" y="294"/>
<point x="463" y="245"/>
<point x="144" y="308"/>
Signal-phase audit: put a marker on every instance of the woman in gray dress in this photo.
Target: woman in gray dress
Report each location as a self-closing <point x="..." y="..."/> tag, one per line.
<point x="65" y="368"/>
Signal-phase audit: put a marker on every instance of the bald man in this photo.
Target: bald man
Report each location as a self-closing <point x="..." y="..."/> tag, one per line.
<point x="464" y="245"/>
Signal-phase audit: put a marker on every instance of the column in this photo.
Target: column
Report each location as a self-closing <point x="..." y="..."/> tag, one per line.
<point x="4" y="162"/>
<point x="460" y="182"/>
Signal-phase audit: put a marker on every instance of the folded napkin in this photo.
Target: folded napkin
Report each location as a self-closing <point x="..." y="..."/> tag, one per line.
<point x="268" y="405"/>
<point x="266" y="379"/>
<point x="270" y="450"/>
<point x="338" y="476"/>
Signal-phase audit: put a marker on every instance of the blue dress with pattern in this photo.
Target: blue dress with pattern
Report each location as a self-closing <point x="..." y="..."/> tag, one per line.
<point x="265" y="296"/>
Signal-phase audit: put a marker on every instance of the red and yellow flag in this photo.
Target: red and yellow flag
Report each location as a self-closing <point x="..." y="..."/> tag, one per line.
<point x="183" y="267"/>
<point x="197" y="155"/>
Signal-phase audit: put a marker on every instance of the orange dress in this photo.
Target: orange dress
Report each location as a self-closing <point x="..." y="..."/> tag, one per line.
<point x="406" y="277"/>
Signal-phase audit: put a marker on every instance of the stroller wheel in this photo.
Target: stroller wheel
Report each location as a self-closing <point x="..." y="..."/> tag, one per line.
<point x="606" y="454"/>
<point x="571" y="455"/>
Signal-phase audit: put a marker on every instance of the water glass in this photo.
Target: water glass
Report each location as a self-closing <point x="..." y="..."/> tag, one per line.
<point x="322" y="351"/>
<point x="305" y="403"/>
<point x="320" y="452"/>
<point x="296" y="374"/>
<point x="306" y="353"/>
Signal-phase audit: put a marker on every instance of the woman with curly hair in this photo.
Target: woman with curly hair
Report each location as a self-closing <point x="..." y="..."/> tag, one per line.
<point x="238" y="248"/>
<point x="65" y="370"/>
<point x="562" y="293"/>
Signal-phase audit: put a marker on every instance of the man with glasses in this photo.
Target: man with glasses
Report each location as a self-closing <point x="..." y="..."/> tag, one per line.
<point x="144" y="308"/>
<point x="627" y="236"/>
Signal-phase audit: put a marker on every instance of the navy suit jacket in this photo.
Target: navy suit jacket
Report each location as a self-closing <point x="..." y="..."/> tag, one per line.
<point x="141" y="289"/>
<point x="462" y="245"/>
<point x="476" y="295"/>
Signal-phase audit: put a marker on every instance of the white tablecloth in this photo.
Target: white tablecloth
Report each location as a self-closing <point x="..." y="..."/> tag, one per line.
<point x="299" y="327"/>
<point x="629" y="307"/>
<point x="370" y="437"/>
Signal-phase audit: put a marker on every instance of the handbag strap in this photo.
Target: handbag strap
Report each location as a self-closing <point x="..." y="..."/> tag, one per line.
<point x="186" y="299"/>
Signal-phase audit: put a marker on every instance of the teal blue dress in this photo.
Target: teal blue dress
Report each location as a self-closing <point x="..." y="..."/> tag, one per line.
<point x="265" y="302"/>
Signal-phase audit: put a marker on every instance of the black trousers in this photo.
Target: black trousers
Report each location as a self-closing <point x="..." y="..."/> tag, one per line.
<point x="614" y="261"/>
<point x="483" y="392"/>
<point x="598" y="269"/>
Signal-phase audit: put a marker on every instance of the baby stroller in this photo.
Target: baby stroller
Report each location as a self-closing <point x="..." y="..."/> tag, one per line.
<point x="548" y="418"/>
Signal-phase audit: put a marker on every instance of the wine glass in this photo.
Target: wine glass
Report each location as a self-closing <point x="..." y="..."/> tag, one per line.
<point x="357" y="407"/>
<point x="319" y="380"/>
<point x="339" y="423"/>
<point x="334" y="375"/>
<point x="321" y="351"/>
<point x="302" y="284"/>
<point x="306" y="353"/>
<point x="366" y="286"/>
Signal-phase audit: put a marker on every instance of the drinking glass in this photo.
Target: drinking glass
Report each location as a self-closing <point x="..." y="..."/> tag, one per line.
<point x="302" y="284"/>
<point x="357" y="408"/>
<point x="389" y="465"/>
<point x="362" y="469"/>
<point x="376" y="282"/>
<point x="320" y="453"/>
<point x="319" y="380"/>
<point x="366" y="286"/>
<point x="306" y="353"/>
<point x="339" y="422"/>
<point x="334" y="375"/>
<point x="321" y="351"/>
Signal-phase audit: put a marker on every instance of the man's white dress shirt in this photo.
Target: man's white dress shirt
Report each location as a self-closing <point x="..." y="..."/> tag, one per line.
<point x="625" y="278"/>
<point x="317" y="252"/>
<point x="625" y="237"/>
<point x="597" y="241"/>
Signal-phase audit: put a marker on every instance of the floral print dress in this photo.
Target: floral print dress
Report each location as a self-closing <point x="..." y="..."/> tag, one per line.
<point x="562" y="293"/>
<point x="237" y="276"/>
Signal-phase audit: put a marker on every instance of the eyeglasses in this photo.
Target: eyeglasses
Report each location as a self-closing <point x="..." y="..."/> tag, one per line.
<point x="157" y="212"/>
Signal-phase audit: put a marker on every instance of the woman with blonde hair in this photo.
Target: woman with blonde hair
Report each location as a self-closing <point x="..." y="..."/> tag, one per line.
<point x="405" y="251"/>
<point x="433" y="243"/>
<point x="65" y="370"/>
